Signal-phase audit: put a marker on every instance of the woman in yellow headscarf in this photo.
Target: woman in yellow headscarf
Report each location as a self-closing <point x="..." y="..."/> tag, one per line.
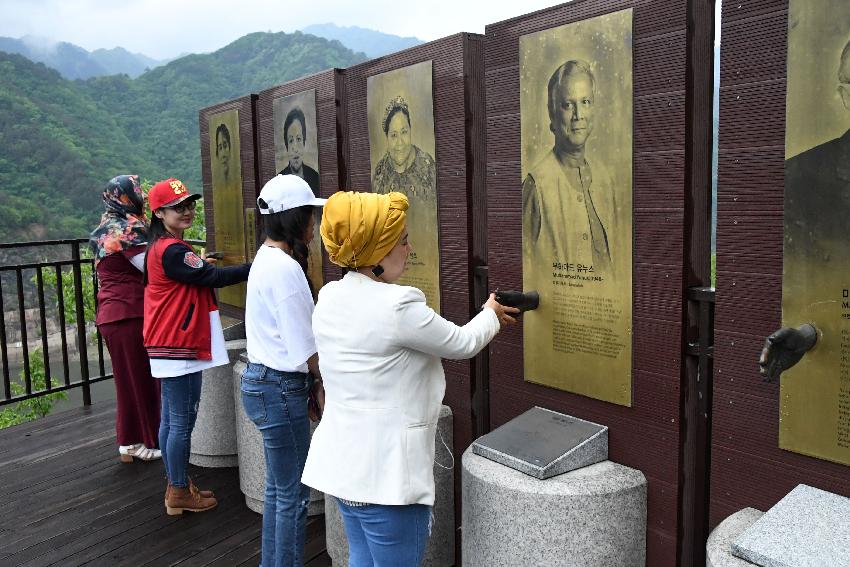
<point x="379" y="349"/>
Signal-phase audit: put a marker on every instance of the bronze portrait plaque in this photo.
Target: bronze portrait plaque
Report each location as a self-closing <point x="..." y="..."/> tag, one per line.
<point x="576" y="159"/>
<point x="401" y="145"/>
<point x="296" y="152"/>
<point x="815" y="394"/>
<point x="227" y="198"/>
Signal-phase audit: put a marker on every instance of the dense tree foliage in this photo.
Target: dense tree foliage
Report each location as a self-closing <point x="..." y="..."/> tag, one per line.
<point x="57" y="146"/>
<point x="61" y="140"/>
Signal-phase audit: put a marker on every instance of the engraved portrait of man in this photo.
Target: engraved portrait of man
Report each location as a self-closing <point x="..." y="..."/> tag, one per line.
<point x="817" y="184"/>
<point x="568" y="196"/>
<point x="576" y="159"/>
<point x="816" y="244"/>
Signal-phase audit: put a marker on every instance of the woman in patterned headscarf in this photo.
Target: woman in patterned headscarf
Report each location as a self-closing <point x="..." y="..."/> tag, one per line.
<point x="119" y="243"/>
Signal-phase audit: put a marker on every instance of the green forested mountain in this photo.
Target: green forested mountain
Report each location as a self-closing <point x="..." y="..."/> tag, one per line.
<point x="56" y="147"/>
<point x="61" y="140"/>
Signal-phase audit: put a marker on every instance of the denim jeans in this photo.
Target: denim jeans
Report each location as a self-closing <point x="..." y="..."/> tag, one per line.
<point x="277" y="404"/>
<point x="180" y="398"/>
<point x="386" y="536"/>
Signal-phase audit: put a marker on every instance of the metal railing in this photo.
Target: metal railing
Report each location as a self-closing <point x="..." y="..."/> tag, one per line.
<point x="58" y="260"/>
<point x="37" y="308"/>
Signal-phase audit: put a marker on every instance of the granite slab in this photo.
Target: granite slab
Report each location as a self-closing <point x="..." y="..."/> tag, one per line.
<point x="808" y="528"/>
<point x="543" y="443"/>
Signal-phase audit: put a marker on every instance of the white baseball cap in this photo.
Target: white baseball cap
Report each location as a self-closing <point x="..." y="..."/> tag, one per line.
<point x="284" y="192"/>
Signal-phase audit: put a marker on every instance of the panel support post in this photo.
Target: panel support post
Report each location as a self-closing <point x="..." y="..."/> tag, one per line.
<point x="696" y="379"/>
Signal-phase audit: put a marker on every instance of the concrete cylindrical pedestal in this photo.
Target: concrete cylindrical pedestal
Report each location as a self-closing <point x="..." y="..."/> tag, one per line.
<point x="214" y="436"/>
<point x="252" y="461"/>
<point x="441" y="545"/>
<point x="718" y="549"/>
<point x="591" y="517"/>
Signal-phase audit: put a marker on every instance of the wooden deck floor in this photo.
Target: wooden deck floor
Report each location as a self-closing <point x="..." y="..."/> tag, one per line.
<point x="65" y="499"/>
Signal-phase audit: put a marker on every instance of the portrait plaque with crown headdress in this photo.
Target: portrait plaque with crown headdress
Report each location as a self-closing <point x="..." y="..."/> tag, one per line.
<point x="400" y="108"/>
<point x="815" y="394"/>
<point x="576" y="161"/>
<point x="227" y="209"/>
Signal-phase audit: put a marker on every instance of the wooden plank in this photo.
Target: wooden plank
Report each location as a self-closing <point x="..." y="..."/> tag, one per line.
<point x="193" y="541"/>
<point x="111" y="513"/>
<point x="91" y="532"/>
<point x="247" y="554"/>
<point x="21" y="442"/>
<point x="245" y="542"/>
<point x="162" y="531"/>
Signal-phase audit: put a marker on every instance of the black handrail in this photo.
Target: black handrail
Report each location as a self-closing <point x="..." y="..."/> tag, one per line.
<point x="29" y="294"/>
<point x="25" y="293"/>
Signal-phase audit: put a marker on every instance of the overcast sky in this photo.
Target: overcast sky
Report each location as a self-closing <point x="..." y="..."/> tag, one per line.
<point x="166" y="28"/>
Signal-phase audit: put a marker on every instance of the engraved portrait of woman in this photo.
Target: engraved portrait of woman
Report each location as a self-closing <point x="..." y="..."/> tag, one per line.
<point x="404" y="167"/>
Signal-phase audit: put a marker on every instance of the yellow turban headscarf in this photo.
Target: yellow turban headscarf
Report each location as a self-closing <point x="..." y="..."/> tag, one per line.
<point x="359" y="229"/>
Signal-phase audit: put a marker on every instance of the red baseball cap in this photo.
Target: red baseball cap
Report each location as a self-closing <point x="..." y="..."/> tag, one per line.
<point x="168" y="193"/>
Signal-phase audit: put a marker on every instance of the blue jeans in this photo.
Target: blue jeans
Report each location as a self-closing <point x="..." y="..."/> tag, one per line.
<point x="386" y="536"/>
<point x="277" y="404"/>
<point x="180" y="398"/>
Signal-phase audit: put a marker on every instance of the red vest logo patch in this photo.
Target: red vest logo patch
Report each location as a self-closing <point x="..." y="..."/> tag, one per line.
<point x="192" y="260"/>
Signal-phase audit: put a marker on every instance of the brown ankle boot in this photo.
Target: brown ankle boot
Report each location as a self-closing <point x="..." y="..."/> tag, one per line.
<point x="193" y="488"/>
<point x="179" y="500"/>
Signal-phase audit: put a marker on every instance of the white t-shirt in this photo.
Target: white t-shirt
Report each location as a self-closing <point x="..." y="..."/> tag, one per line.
<point x="168" y="368"/>
<point x="278" y="312"/>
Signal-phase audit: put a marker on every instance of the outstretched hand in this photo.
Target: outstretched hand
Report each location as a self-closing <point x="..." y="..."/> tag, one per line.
<point x="784" y="348"/>
<point x="502" y="312"/>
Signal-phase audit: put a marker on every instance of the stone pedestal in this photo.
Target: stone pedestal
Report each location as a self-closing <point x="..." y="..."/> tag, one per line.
<point x="441" y="545"/>
<point x="718" y="549"/>
<point x="214" y="436"/>
<point x="252" y="461"/>
<point x="590" y="517"/>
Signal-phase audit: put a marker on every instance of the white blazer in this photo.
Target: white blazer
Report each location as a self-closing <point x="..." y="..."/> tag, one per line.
<point x="379" y="352"/>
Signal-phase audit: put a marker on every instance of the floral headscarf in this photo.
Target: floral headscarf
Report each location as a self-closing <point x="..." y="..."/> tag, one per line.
<point x="124" y="224"/>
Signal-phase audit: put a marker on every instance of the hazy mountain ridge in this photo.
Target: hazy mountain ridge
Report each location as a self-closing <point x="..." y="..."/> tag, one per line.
<point x="61" y="140"/>
<point x="75" y="62"/>
<point x="372" y="43"/>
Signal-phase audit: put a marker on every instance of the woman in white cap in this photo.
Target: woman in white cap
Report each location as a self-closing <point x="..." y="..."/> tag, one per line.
<point x="281" y="359"/>
<point x="182" y="332"/>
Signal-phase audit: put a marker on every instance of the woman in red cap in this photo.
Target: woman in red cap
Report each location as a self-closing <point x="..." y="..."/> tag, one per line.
<point x="182" y="332"/>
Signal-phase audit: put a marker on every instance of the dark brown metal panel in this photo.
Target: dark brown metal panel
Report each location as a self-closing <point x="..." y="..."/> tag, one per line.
<point x="747" y="466"/>
<point x="645" y="436"/>
<point x="330" y="96"/>
<point x="248" y="158"/>
<point x="458" y="91"/>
